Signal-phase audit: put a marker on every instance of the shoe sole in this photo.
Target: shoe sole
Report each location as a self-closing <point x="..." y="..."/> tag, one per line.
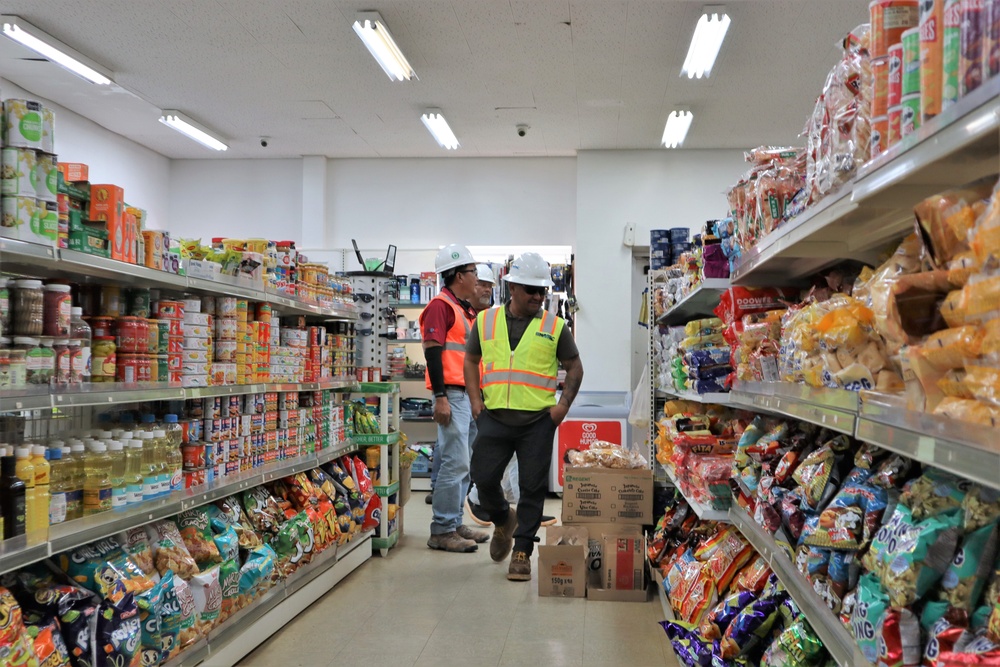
<point x="550" y="523"/>
<point x="467" y="550"/>
<point x="519" y="577"/>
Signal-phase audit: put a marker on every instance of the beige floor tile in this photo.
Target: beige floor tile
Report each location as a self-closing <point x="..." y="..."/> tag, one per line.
<point x="556" y="652"/>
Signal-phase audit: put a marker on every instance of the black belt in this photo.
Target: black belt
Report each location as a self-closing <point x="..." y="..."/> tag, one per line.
<point x="455" y="386"/>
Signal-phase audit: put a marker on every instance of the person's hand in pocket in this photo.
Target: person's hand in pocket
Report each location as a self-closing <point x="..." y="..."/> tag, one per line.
<point x="558" y="413"/>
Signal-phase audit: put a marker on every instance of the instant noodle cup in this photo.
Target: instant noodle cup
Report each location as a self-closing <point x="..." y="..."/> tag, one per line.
<point x="880" y="135"/>
<point x="909" y="121"/>
<point x="895" y="115"/>
<point x="18" y="172"/>
<point x="971" y="61"/>
<point x="911" y="62"/>
<point x="889" y="18"/>
<point x="880" y="93"/>
<point x="895" y="75"/>
<point x="931" y="57"/>
<point x="950" y="52"/>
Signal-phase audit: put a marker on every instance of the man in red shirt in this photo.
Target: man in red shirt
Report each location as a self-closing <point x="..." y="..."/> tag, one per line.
<point x="444" y="326"/>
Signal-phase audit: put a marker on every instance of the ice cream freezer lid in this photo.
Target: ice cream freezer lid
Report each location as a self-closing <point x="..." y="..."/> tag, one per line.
<point x="600" y="404"/>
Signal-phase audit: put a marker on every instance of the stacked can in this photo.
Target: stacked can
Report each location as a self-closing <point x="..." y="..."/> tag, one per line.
<point x="196" y="367"/>
<point x="259" y="336"/>
<point x="169" y="317"/>
<point x="226" y="327"/>
<point x="889" y="21"/>
<point x="30" y="175"/>
<point x="289" y="363"/>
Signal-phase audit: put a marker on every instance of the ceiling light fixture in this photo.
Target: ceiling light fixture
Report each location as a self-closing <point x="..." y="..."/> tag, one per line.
<point x="188" y="127"/>
<point x="678" y="124"/>
<point x="51" y="48"/>
<point x="438" y="126"/>
<point x="708" y="36"/>
<point x="372" y="30"/>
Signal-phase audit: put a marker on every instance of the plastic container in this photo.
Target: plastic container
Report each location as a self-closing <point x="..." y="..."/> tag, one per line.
<point x="57" y="486"/>
<point x="56" y="314"/>
<point x="150" y="469"/>
<point x="160" y="446"/>
<point x="103" y="359"/>
<point x="74" y="481"/>
<point x="119" y="490"/>
<point x="26" y="473"/>
<point x="30" y="348"/>
<point x="27" y="307"/>
<point x="13" y="499"/>
<point x="60" y="346"/>
<point x="97" y="480"/>
<point x="43" y="481"/>
<point x="133" y="472"/>
<point x="889" y="18"/>
<point x="174" y="458"/>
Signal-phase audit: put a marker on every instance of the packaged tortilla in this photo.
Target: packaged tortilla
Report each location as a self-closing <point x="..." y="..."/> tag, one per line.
<point x="169" y="552"/>
<point x="104" y="567"/>
<point x="119" y="633"/>
<point x="207" y="592"/>
<point x="136" y="545"/>
<point x="197" y="535"/>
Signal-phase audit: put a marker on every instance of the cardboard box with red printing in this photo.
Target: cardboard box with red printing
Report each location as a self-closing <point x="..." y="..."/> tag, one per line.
<point x="74" y="172"/>
<point x="562" y="562"/>
<point x="623" y="568"/>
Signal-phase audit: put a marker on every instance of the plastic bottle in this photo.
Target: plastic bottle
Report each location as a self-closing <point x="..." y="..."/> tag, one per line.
<point x="150" y="471"/>
<point x="57" y="487"/>
<point x="163" y="472"/>
<point x="26" y="473"/>
<point x="13" y="499"/>
<point x="74" y="480"/>
<point x="97" y="483"/>
<point x="133" y="472"/>
<point x="80" y="330"/>
<point x="119" y="490"/>
<point x="43" y="480"/>
<point x="175" y="459"/>
<point x="148" y="423"/>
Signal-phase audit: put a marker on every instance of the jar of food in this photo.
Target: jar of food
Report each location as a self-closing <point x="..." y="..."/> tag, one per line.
<point x="5" y="369"/>
<point x="127" y="368"/>
<point x="27" y="307"/>
<point x="101" y="326"/>
<point x="111" y="301"/>
<point x="56" y="314"/>
<point x="152" y="336"/>
<point x="78" y="363"/>
<point x="62" y="373"/>
<point x="31" y="348"/>
<point x="131" y="335"/>
<point x="146" y="365"/>
<point x="47" y="354"/>
<point x="103" y="359"/>
<point x="4" y="305"/>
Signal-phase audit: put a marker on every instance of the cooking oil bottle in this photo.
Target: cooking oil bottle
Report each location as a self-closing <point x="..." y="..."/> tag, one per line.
<point x="119" y="497"/>
<point x="150" y="471"/>
<point x="74" y="481"/>
<point x="133" y="472"/>
<point x="174" y="457"/>
<point x="163" y="472"/>
<point x="57" y="486"/>
<point x="97" y="480"/>
<point x="42" y="484"/>
<point x="25" y="471"/>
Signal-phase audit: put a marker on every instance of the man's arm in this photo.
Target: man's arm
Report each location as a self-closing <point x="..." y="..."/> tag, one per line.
<point x="435" y="371"/>
<point x="472" y="383"/>
<point x="574" y="378"/>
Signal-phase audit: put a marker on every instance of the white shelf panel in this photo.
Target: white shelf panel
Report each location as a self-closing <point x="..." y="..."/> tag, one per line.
<point x="699" y="302"/>
<point x="712" y="397"/>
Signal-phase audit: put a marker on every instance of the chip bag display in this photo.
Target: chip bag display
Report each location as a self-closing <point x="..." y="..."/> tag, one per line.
<point x="119" y="633"/>
<point x="16" y="647"/>
<point x="136" y="545"/>
<point x="263" y="511"/>
<point x="104" y="567"/>
<point x="207" y="592"/>
<point x="197" y="535"/>
<point x="169" y="551"/>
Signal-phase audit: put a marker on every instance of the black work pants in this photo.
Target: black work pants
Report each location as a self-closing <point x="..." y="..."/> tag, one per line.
<point x="492" y="451"/>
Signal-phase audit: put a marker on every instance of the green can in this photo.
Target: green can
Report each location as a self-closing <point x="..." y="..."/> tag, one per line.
<point x="951" y="53"/>
<point x="163" y="342"/>
<point x="162" y="369"/>
<point x="909" y="120"/>
<point x="138" y="302"/>
<point x="911" y="62"/>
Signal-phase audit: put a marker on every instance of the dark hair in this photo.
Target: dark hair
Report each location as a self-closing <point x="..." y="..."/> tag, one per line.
<point x="450" y="275"/>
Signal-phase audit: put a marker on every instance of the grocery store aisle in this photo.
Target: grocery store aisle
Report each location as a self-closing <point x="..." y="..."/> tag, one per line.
<point x="428" y="608"/>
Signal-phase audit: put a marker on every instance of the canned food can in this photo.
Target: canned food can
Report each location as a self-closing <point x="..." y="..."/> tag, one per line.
<point x="972" y="61"/>
<point x="895" y="93"/>
<point x="889" y="18"/>
<point x="909" y="120"/>
<point x="880" y="135"/>
<point x="895" y="114"/>
<point x="951" y="52"/>
<point x="18" y="173"/>
<point x="931" y="57"/>
<point x="911" y="62"/>
<point x="23" y="123"/>
<point x="46" y="177"/>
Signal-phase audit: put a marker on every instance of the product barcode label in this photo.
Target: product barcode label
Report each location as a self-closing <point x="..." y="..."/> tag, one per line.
<point x="590" y="513"/>
<point x="630" y="514"/>
<point x="589" y="496"/>
<point x="630" y="496"/>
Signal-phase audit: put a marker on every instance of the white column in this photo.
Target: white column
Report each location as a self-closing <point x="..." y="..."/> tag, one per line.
<point x="314" y="201"/>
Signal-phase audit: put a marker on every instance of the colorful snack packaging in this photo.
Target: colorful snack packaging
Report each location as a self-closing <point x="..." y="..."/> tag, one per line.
<point x="230" y="514"/>
<point x="870" y="605"/>
<point x="981" y="506"/>
<point x="229" y="584"/>
<point x="228" y="544"/>
<point x="750" y="626"/>
<point x="851" y="518"/>
<point x="47" y="642"/>
<point x="104" y="567"/>
<point x="899" y="639"/>
<point x="373" y="512"/>
<point x="16" y="647"/>
<point x="257" y="572"/>
<point x="179" y="593"/>
<point x="943" y="634"/>
<point x="935" y="492"/>
<point x="293" y="544"/>
<point x="170" y="616"/>
<point x="197" y="535"/>
<point x="207" y="592"/>
<point x="78" y="625"/>
<point x="136" y="545"/>
<point x="119" y="633"/>
<point x="699" y="597"/>
<point x="796" y="646"/>
<point x="151" y="641"/>
<point x="965" y="578"/>
<point x="169" y="552"/>
<point x="753" y="576"/>
<point x="263" y="511"/>
<point x="718" y="619"/>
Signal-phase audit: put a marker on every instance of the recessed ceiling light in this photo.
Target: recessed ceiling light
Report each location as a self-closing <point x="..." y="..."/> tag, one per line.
<point x="372" y="30"/>
<point x="676" y="129"/>
<point x="434" y="121"/>
<point x="191" y="129"/>
<point x="28" y="35"/>
<point x="706" y="42"/>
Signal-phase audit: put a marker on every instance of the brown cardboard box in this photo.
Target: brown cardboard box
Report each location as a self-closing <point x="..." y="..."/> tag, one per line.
<point x="607" y="495"/>
<point x="624" y="569"/>
<point x="562" y="562"/>
<point x="595" y="548"/>
<point x="74" y="172"/>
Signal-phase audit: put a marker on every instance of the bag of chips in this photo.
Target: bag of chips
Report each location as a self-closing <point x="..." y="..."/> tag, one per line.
<point x="16" y="647"/>
<point x="180" y="594"/>
<point x="229" y="585"/>
<point x="47" y="642"/>
<point x="935" y="492"/>
<point x="228" y="544"/>
<point x="78" y="626"/>
<point x="965" y="578"/>
<point x="207" y="592"/>
<point x="291" y="542"/>
<point x="119" y="633"/>
<point x="719" y="618"/>
<point x="103" y="567"/>
<point x="228" y="513"/>
<point x="871" y="604"/>
<point x="851" y="518"/>
<point x="943" y="634"/>
<point x="750" y="627"/>
<point x="899" y="639"/>
<point x="197" y="535"/>
<point x="136" y="545"/>
<point x="796" y="646"/>
<point x="753" y="576"/>
<point x="263" y="511"/>
<point x="151" y="641"/>
<point x="981" y="506"/>
<point x="169" y="552"/>
<point x="258" y="573"/>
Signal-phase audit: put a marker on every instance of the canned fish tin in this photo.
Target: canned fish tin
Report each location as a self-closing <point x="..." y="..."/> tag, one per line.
<point x="889" y="18"/>
<point x="971" y="59"/>
<point x="931" y="57"/>
<point x="950" y="52"/>
<point x="909" y="120"/>
<point x="23" y="125"/>
<point x="911" y="62"/>
<point x="46" y="177"/>
<point x="18" y="172"/>
<point x="168" y="310"/>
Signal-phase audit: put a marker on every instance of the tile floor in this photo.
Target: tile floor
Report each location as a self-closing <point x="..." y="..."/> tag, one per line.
<point x="419" y="607"/>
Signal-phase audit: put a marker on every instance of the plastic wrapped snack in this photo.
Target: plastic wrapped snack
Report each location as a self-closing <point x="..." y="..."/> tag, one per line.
<point x="15" y="645"/>
<point x="871" y="605"/>
<point x="47" y="641"/>
<point x="750" y="627"/>
<point x="899" y="642"/>
<point x="197" y="536"/>
<point x="946" y="219"/>
<point x="718" y="619"/>
<point x="103" y="567"/>
<point x="796" y="646"/>
<point x="230" y="514"/>
<point x="263" y="511"/>
<point x="966" y="576"/>
<point x="602" y="454"/>
<point x="207" y="592"/>
<point x="136" y="545"/>
<point x="119" y="633"/>
<point x="169" y="552"/>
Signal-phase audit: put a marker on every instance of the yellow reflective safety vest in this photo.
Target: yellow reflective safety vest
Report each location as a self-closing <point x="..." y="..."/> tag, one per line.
<point x="523" y="378"/>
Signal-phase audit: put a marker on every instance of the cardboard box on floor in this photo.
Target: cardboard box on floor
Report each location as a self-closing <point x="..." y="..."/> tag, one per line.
<point x="616" y="563"/>
<point x="562" y="562"/>
<point x="607" y="495"/>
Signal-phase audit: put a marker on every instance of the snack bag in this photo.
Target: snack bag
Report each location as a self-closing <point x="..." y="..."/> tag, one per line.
<point x="169" y="552"/>
<point x="119" y="633"/>
<point x="47" y="642"/>
<point x="136" y="545"/>
<point x="16" y="647"/>
<point x="78" y="625"/>
<point x="151" y="641"/>
<point x="981" y="506"/>
<point x="965" y="578"/>
<point x="207" y="593"/>
<point x="871" y="604"/>
<point x="179" y="597"/>
<point x="228" y="544"/>
<point x="796" y="646"/>
<point x="899" y="642"/>
<point x="363" y="478"/>
<point x="851" y="518"/>
<point x="104" y="567"/>
<point x="263" y="511"/>
<point x="943" y="634"/>
<point x="751" y="626"/>
<point x="719" y="618"/>
<point x="228" y="513"/>
<point x="935" y="492"/>
<point x="257" y="572"/>
<point x="197" y="535"/>
<point x="170" y="616"/>
<point x="229" y="584"/>
<point x="752" y="577"/>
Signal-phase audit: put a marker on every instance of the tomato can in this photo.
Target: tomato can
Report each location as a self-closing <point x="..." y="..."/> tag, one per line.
<point x="127" y="369"/>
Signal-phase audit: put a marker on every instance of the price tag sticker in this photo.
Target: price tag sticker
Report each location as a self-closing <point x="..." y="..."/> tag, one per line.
<point x="925" y="449"/>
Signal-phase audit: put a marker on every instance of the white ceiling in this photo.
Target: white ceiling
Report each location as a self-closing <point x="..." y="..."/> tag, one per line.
<point x="584" y="74"/>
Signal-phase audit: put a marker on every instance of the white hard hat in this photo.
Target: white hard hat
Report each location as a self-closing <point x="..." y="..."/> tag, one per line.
<point x="452" y="256"/>
<point x="530" y="269"/>
<point x="485" y="274"/>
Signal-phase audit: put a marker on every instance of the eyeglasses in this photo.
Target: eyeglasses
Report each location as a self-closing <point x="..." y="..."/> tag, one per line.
<point x="466" y="271"/>
<point x="533" y="290"/>
<point x="361" y="296"/>
<point x="364" y="332"/>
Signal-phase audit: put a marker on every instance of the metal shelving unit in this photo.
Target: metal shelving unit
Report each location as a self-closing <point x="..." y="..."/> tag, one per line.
<point x="704" y="512"/>
<point x="699" y="302"/>
<point x="388" y="393"/>
<point x="717" y="398"/>
<point x="835" y="409"/>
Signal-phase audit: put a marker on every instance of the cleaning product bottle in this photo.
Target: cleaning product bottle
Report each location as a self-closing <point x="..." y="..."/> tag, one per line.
<point x="57" y="486"/>
<point x="133" y="472"/>
<point x="74" y="479"/>
<point x="42" y="483"/>
<point x="175" y="459"/>
<point x="150" y="481"/>
<point x="26" y="473"/>
<point x="163" y="472"/>
<point x="13" y="498"/>
<point x="119" y="491"/>
<point x="97" y="485"/>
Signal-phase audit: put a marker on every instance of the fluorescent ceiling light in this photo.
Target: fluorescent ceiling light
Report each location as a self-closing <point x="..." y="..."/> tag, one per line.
<point x="186" y="126"/>
<point x="438" y="126"/>
<point x="707" y="41"/>
<point x="54" y="50"/>
<point x="678" y="124"/>
<point x="372" y="31"/>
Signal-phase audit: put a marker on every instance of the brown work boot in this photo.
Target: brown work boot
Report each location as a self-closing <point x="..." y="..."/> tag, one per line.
<point x="503" y="536"/>
<point x="451" y="542"/>
<point x="476" y="536"/>
<point x="520" y="567"/>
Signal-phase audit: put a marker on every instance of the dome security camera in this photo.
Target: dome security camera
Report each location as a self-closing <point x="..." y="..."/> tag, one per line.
<point x="522" y="130"/>
<point x="264" y="141"/>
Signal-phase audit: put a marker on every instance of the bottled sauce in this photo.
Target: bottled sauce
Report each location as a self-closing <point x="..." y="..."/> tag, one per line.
<point x="57" y="487"/>
<point x="13" y="499"/>
<point x="56" y="310"/>
<point x="150" y="480"/>
<point x="119" y="490"/>
<point x="42" y="484"/>
<point x="175" y="459"/>
<point x="74" y="481"/>
<point x="103" y="363"/>
<point x="27" y="306"/>
<point x="26" y="473"/>
<point x="133" y="472"/>
<point x="163" y="472"/>
<point x="97" y="481"/>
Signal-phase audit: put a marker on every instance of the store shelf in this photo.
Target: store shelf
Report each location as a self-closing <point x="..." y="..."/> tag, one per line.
<point x="958" y="146"/>
<point x="65" y="536"/>
<point x="967" y="450"/>
<point x="382" y="439"/>
<point x="25" y="398"/>
<point x="345" y="550"/>
<point x="668" y="611"/>
<point x="386" y="491"/>
<point x="405" y="304"/>
<point x="704" y="512"/>
<point x="699" y="302"/>
<point x="386" y="542"/>
<point x="836" y="637"/>
<point x="835" y="409"/>
<point x="713" y="397"/>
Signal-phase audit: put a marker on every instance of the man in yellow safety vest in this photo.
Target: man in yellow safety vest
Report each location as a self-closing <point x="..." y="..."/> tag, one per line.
<point x="521" y="347"/>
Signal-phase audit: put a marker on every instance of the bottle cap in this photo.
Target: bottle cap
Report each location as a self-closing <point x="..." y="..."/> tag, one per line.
<point x="148" y="418"/>
<point x="159" y="433"/>
<point x="99" y="448"/>
<point x="55" y="454"/>
<point x="170" y="419"/>
<point x="125" y="435"/>
<point x="76" y="311"/>
<point x="135" y="444"/>
<point x="22" y="452"/>
<point x="115" y="446"/>
<point x="77" y="448"/>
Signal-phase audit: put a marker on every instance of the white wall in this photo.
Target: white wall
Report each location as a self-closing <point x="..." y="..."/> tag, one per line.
<point x="112" y="158"/>
<point x="653" y="189"/>
<point x="239" y="198"/>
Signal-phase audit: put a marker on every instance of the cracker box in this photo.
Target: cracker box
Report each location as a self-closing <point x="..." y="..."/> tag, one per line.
<point x="562" y="562"/>
<point x="607" y="495"/>
<point x="74" y="172"/>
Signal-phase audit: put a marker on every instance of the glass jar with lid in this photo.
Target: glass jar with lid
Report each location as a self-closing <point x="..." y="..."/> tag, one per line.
<point x="56" y="302"/>
<point x="61" y="377"/>
<point x="47" y="362"/>
<point x="31" y="348"/>
<point x="17" y="360"/>
<point x="27" y="308"/>
<point x="103" y="359"/>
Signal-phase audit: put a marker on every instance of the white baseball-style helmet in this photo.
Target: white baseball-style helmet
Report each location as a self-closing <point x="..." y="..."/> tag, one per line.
<point x="485" y="274"/>
<point x="452" y="256"/>
<point x="530" y="269"/>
